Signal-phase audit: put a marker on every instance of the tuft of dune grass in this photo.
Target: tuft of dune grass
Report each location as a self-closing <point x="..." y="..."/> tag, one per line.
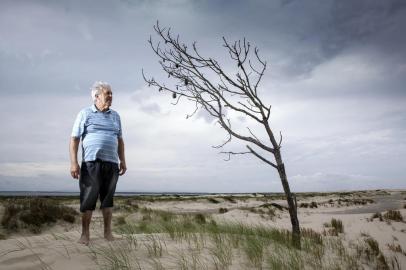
<point x="196" y="241"/>
<point x="335" y="227"/>
<point x="33" y="213"/>
<point x="394" y="215"/>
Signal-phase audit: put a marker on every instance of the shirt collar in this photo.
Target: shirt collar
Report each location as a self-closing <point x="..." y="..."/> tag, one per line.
<point x="94" y="109"/>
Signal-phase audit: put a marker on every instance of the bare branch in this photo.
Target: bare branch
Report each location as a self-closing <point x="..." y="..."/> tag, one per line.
<point x="233" y="153"/>
<point x="268" y="110"/>
<point x="261" y="157"/>
<point x="249" y="108"/>
<point x="193" y="113"/>
<point x="226" y="142"/>
<point x="252" y="134"/>
<point x="187" y="67"/>
<point x="177" y="100"/>
<point x="244" y="138"/>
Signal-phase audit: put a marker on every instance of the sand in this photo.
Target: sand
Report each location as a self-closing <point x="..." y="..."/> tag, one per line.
<point x="56" y="246"/>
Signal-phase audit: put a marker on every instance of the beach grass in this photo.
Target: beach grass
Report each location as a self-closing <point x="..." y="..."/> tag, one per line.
<point x="202" y="243"/>
<point x="393" y="215"/>
<point x="335" y="227"/>
<point x="34" y="213"/>
<point x="156" y="239"/>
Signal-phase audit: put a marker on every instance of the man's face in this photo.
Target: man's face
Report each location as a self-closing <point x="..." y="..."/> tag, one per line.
<point x="104" y="99"/>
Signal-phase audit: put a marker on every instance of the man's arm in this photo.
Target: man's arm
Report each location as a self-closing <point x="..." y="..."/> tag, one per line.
<point x="73" y="150"/>
<point x="121" y="156"/>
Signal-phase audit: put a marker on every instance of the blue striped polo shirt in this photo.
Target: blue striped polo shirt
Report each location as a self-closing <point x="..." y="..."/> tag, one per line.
<point x="99" y="132"/>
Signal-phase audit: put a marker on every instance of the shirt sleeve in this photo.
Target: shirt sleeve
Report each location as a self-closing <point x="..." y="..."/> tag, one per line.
<point x="79" y="125"/>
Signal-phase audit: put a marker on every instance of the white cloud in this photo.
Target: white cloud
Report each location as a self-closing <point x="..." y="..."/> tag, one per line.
<point x="33" y="169"/>
<point x="330" y="181"/>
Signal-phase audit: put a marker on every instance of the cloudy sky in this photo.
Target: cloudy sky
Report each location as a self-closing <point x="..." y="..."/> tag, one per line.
<point x="336" y="82"/>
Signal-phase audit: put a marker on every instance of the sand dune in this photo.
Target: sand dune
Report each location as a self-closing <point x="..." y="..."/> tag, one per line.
<point x="56" y="246"/>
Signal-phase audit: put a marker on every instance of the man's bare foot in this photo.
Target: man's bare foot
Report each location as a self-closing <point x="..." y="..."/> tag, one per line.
<point x="84" y="239"/>
<point x="109" y="237"/>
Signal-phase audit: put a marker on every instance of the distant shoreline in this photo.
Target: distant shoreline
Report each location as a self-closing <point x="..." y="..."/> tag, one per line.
<point x="65" y="194"/>
<point x="141" y="193"/>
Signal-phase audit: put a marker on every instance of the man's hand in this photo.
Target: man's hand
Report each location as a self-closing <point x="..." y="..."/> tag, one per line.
<point x="123" y="168"/>
<point x="73" y="152"/>
<point x="75" y="170"/>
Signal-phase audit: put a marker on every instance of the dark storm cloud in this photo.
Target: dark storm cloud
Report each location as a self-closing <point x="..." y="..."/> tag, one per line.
<point x="61" y="44"/>
<point x="366" y="23"/>
<point x="307" y="33"/>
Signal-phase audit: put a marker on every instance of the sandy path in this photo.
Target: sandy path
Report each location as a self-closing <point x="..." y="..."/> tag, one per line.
<point x="382" y="203"/>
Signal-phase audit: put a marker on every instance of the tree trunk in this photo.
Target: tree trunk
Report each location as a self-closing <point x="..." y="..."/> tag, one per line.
<point x="290" y="199"/>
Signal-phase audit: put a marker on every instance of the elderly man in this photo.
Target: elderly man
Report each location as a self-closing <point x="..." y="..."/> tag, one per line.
<point x="103" y="159"/>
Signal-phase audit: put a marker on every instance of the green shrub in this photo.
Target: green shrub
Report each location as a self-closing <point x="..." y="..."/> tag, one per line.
<point x="33" y="213"/>
<point x="313" y="205"/>
<point x="377" y="215"/>
<point x="69" y="217"/>
<point x="146" y="217"/>
<point x="256" y="210"/>
<point x="275" y="205"/>
<point x="307" y="205"/>
<point x="381" y="262"/>
<point x="337" y="225"/>
<point x="304" y="205"/>
<point x="394" y="215"/>
<point x="312" y="235"/>
<point x="254" y="248"/>
<point x="213" y="200"/>
<point x="9" y="221"/>
<point x="126" y="205"/>
<point x="373" y="246"/>
<point x="223" y="210"/>
<point x="121" y="220"/>
<point x="395" y="247"/>
<point x="165" y="216"/>
<point x="200" y="218"/>
<point x="230" y="199"/>
<point x="370" y="254"/>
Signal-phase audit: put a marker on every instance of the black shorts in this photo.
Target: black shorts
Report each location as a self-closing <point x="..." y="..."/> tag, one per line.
<point x="97" y="179"/>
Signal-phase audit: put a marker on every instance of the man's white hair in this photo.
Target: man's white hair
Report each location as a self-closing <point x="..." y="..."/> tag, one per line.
<point x="98" y="87"/>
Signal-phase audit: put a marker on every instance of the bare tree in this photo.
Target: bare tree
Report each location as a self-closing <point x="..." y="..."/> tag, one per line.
<point x="203" y="81"/>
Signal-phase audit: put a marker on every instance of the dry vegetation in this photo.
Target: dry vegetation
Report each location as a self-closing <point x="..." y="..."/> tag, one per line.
<point x="34" y="213"/>
<point x="163" y="240"/>
<point x="394" y="215"/>
<point x="391" y="215"/>
<point x="202" y="243"/>
<point x="334" y="227"/>
<point x="156" y="239"/>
